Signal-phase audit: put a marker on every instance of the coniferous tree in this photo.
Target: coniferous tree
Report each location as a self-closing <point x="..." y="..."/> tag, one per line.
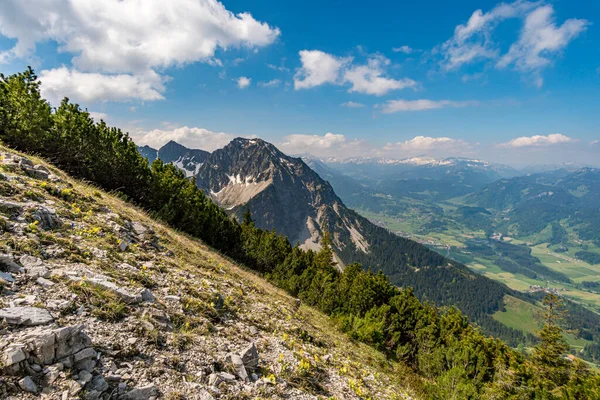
<point x="549" y="358"/>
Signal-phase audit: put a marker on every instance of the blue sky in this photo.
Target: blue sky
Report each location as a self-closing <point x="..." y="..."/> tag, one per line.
<point x="514" y="82"/>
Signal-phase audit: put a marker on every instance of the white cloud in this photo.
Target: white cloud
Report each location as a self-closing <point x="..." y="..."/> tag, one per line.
<point x="403" y="49"/>
<point x="368" y="78"/>
<point x="393" y="106"/>
<point x="327" y="145"/>
<point x="421" y="143"/>
<point x="135" y="37"/>
<point x="281" y="68"/>
<point x="539" y="39"/>
<point x="318" y="68"/>
<point x="352" y="104"/>
<point x="437" y="147"/>
<point x="243" y="82"/>
<point x="338" y="145"/>
<point x="124" y="36"/>
<point x="595" y="142"/>
<point x="472" y="41"/>
<point x="97" y="116"/>
<point x="91" y="87"/>
<point x="271" y="83"/>
<point x="538" y="141"/>
<point x="196" y="138"/>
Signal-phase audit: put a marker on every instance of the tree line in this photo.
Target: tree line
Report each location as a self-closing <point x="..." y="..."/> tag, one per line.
<point x="454" y="358"/>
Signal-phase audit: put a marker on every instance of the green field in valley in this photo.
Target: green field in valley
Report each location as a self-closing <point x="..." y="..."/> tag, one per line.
<point x="453" y="242"/>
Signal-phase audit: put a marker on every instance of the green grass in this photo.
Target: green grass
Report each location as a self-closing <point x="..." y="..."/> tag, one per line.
<point x="525" y="317"/>
<point x="519" y="315"/>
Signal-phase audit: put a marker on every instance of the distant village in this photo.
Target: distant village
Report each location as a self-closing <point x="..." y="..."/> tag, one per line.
<point x="547" y="289"/>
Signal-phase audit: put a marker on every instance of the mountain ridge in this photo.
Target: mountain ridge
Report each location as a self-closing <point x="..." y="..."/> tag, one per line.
<point x="254" y="174"/>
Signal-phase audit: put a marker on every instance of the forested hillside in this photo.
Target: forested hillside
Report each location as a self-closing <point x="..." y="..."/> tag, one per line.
<point x="454" y="358"/>
<point x="528" y="232"/>
<point x="282" y="193"/>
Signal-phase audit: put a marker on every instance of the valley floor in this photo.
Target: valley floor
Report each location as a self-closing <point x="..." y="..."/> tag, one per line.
<point x="454" y="243"/>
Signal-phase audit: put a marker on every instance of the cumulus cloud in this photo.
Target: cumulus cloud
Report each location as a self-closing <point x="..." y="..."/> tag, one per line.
<point x="90" y="87"/>
<point x="369" y="78"/>
<point x="319" y="68"/>
<point x="539" y="38"/>
<point x="394" y="106"/>
<point x="271" y="83"/>
<point x="403" y="49"/>
<point x="538" y="141"/>
<point x="352" y="104"/>
<point x="192" y="137"/>
<point x="328" y="145"/>
<point x="243" y="82"/>
<point x="130" y="37"/>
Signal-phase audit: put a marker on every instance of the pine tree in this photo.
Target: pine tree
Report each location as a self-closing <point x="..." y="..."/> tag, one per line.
<point x="247" y="218"/>
<point x="549" y="359"/>
<point x="325" y="257"/>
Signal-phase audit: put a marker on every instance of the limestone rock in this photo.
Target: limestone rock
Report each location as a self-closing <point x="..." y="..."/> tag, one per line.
<point x="6" y="277"/>
<point x="250" y="356"/>
<point x="205" y="395"/>
<point x="124" y="294"/>
<point x="34" y="267"/>
<point x="28" y="385"/>
<point x="10" y="206"/>
<point x="28" y="316"/>
<point x="237" y="365"/>
<point x="13" y="355"/>
<point x="147" y="296"/>
<point x="7" y="264"/>
<point x="123" y="245"/>
<point x="45" y="283"/>
<point x="98" y="384"/>
<point x="138" y="228"/>
<point x="141" y="393"/>
<point x="47" y="217"/>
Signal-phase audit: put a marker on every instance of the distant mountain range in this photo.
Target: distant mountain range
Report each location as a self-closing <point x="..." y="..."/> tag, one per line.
<point x="418" y="167"/>
<point x="285" y="194"/>
<point x="188" y="160"/>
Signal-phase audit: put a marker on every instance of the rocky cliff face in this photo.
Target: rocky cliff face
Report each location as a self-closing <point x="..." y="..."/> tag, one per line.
<point x="98" y="301"/>
<point x="282" y="193"/>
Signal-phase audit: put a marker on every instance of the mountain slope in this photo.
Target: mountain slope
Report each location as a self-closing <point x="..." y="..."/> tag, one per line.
<point x="530" y="203"/>
<point x="284" y="194"/>
<point x="151" y="314"/>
